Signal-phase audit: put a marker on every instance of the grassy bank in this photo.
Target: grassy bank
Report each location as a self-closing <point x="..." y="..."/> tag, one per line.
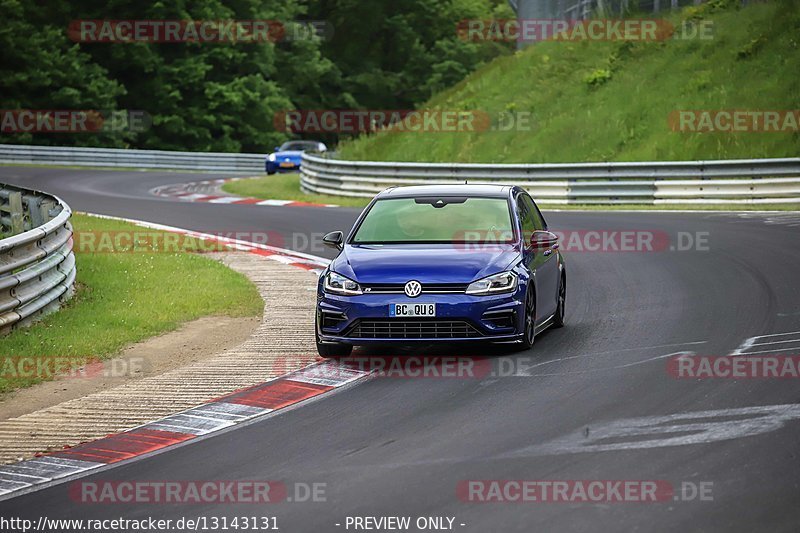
<point x="611" y="101"/>
<point x="123" y="298"/>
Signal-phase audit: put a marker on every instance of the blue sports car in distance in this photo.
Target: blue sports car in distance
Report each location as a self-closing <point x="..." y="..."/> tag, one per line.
<point x="441" y="263"/>
<point x="286" y="157"/>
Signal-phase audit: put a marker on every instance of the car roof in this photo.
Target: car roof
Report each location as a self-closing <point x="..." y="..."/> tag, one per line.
<point x="304" y="142"/>
<point x="460" y="189"/>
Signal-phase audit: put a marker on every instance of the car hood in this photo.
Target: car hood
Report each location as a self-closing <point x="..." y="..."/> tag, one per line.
<point x="424" y="263"/>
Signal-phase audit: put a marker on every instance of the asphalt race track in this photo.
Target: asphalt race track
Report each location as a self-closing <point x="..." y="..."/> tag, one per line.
<point x="591" y="401"/>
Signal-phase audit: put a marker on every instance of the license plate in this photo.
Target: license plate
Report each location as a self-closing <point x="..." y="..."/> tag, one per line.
<point x="412" y="309"/>
<point x="287" y="165"/>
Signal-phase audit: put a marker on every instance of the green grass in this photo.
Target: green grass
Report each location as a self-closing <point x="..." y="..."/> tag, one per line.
<point x="123" y="298"/>
<point x="610" y="101"/>
<point x="286" y="187"/>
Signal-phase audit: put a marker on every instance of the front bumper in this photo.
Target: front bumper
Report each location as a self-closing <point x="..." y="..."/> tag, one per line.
<point x="364" y="319"/>
<point x="274" y="166"/>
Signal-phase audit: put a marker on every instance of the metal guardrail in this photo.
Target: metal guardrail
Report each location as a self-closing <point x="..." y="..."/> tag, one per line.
<point x="137" y="159"/>
<point x="37" y="266"/>
<point x="745" y="181"/>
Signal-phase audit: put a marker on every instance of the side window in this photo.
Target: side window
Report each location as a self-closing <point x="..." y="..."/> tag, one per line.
<point x="538" y="219"/>
<point x="526" y="218"/>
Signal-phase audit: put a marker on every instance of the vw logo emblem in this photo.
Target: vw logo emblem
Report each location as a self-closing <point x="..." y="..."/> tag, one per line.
<point x="413" y="288"/>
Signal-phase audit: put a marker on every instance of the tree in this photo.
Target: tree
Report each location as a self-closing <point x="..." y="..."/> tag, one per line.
<point x="224" y="96"/>
<point x="42" y="70"/>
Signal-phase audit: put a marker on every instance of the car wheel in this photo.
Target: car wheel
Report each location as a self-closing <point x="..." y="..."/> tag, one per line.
<point x="331" y="350"/>
<point x="529" y="330"/>
<point x="558" y="319"/>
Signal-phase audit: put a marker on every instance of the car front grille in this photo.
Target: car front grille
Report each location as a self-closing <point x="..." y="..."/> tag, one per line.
<point x="429" y="288"/>
<point x="412" y="329"/>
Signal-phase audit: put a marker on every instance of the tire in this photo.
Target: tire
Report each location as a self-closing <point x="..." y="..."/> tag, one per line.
<point x="331" y="350"/>
<point x="558" y="318"/>
<point x="529" y="321"/>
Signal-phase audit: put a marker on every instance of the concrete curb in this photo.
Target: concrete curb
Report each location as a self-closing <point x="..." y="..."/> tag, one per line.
<point x="187" y="403"/>
<point x="210" y="192"/>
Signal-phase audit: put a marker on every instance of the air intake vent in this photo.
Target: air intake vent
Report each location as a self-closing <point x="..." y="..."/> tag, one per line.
<point x="412" y="329"/>
<point x="500" y="319"/>
<point x="331" y="319"/>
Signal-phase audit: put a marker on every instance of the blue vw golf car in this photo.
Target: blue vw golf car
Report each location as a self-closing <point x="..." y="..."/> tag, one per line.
<point x="441" y="263"/>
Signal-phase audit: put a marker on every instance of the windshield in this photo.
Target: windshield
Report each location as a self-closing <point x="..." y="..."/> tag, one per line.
<point x="299" y="146"/>
<point x="436" y="220"/>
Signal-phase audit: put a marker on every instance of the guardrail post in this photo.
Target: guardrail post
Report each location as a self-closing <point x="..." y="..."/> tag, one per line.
<point x="46" y="209"/>
<point x="37" y="218"/>
<point x="17" y="215"/>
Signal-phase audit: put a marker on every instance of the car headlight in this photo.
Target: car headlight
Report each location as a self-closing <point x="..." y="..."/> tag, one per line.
<point x="338" y="284"/>
<point x="271" y="157"/>
<point x="497" y="283"/>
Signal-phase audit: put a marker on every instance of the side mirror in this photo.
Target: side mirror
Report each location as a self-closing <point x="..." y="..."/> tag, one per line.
<point x="544" y="240"/>
<point x="334" y="239"/>
<point x="277" y="149"/>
